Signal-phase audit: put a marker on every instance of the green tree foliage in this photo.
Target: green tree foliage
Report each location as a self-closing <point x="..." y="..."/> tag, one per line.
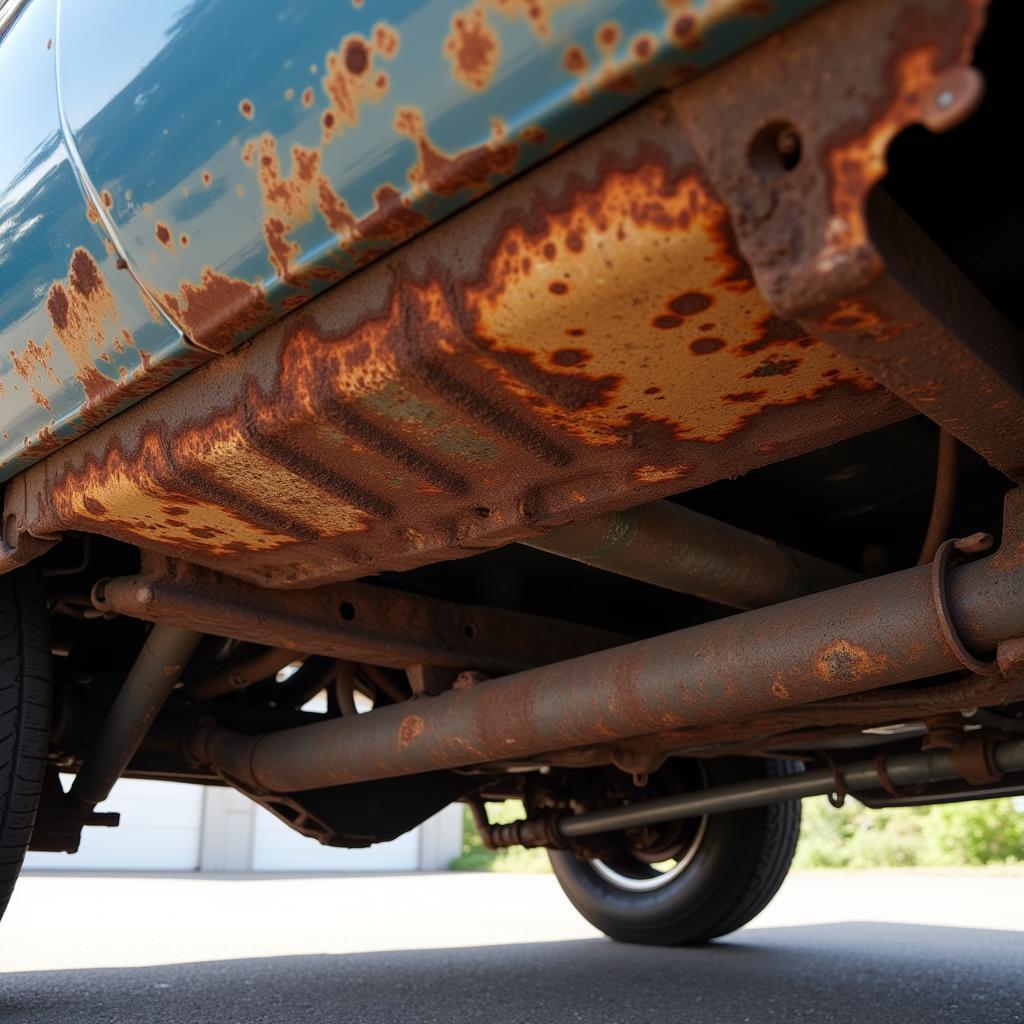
<point x="981" y="832"/>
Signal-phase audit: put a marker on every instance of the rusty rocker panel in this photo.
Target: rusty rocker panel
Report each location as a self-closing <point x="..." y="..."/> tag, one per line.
<point x="587" y="339"/>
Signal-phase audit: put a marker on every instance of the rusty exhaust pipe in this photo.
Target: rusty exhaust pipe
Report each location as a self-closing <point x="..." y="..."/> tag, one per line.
<point x="915" y="624"/>
<point x="679" y="549"/>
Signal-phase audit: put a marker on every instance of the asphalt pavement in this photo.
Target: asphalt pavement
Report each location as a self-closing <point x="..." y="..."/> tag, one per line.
<point x="899" y="947"/>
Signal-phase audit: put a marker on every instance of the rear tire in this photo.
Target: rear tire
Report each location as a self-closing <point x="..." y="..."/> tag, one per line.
<point x="730" y="871"/>
<point x="26" y="685"/>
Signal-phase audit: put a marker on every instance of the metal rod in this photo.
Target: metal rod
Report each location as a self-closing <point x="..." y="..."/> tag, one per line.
<point x="266" y="664"/>
<point x="901" y="769"/>
<point x="679" y="549"/>
<point x="871" y="634"/>
<point x="148" y="685"/>
<point x="944" y="498"/>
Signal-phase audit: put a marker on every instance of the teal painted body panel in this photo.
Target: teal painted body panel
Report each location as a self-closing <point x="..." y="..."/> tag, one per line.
<point x="222" y="162"/>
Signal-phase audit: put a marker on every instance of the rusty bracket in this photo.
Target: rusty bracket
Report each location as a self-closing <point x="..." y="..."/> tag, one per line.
<point x="357" y="622"/>
<point x="797" y="165"/>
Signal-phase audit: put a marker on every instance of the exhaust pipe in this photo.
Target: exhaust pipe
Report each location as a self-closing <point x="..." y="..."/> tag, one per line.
<point x="679" y="549"/>
<point x="912" y="625"/>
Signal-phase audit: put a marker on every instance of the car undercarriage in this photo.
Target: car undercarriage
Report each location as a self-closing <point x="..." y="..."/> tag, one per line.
<point x="668" y="484"/>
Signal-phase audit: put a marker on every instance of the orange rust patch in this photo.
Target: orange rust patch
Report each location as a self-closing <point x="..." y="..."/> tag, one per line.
<point x="245" y="108"/>
<point x="859" y="163"/>
<point x="351" y="78"/>
<point x="107" y="198"/>
<point x="673" y="230"/>
<point x="411" y="727"/>
<point x="287" y="200"/>
<point x="164" y="236"/>
<point x="471" y="170"/>
<point x="537" y="13"/>
<point x="219" y="309"/>
<point x="575" y="60"/>
<point x="845" y="662"/>
<point x="79" y="311"/>
<point x="207" y="178"/>
<point x="34" y="359"/>
<point x="473" y="49"/>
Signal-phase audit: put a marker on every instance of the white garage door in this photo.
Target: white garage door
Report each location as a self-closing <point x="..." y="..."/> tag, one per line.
<point x="277" y="848"/>
<point x="159" y="831"/>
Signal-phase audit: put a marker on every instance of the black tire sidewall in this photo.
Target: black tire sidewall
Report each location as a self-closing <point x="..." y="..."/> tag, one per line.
<point x="692" y="906"/>
<point x="26" y="688"/>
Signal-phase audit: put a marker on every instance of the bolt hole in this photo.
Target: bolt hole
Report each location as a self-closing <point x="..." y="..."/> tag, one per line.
<point x="775" y="150"/>
<point x="347" y="610"/>
<point x="469" y="629"/>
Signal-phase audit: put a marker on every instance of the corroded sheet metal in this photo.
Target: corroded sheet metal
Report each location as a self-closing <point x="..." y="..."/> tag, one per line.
<point x="832" y="253"/>
<point x="586" y="340"/>
<point x="78" y="341"/>
<point x="242" y="157"/>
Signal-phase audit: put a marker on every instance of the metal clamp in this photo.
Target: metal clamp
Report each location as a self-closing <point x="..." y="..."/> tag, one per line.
<point x="940" y="599"/>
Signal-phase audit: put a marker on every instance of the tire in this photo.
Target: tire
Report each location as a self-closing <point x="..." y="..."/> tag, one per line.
<point x="26" y="685"/>
<point x="730" y="871"/>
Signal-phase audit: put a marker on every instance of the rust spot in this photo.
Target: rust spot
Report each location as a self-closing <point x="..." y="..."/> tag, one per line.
<point x="207" y="178"/>
<point x="84" y="276"/>
<point x="845" y="662"/>
<point x="34" y="359"/>
<point x="558" y="288"/>
<point x="57" y="307"/>
<point x="392" y="220"/>
<point x="665" y="322"/>
<point x="411" y="727"/>
<point x="184" y="241"/>
<point x="537" y="13"/>
<point x="775" y="368"/>
<point x="357" y="57"/>
<point x="534" y="134"/>
<point x="569" y="356"/>
<point x="470" y="170"/>
<point x="307" y="97"/>
<point x="690" y="303"/>
<point x="164" y="236"/>
<point x="774" y="331"/>
<point x="219" y="309"/>
<point x="349" y="81"/>
<point x="93" y="506"/>
<point x="107" y="198"/>
<point x="685" y="31"/>
<point x="575" y="60"/>
<point x="644" y="47"/>
<point x="246" y="109"/>
<point x="473" y="49"/>
<point x="608" y="35"/>
<point x="705" y="346"/>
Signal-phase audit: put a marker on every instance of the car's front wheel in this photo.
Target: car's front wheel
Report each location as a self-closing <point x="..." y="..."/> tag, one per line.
<point x="25" y="693"/>
<point x="690" y="881"/>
